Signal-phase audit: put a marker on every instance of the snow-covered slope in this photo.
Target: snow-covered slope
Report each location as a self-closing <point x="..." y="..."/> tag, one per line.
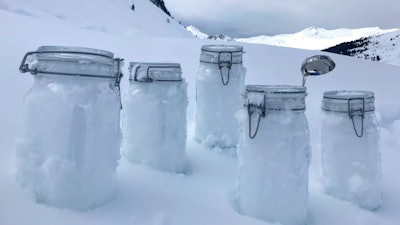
<point x="206" y="194"/>
<point x="314" y="38"/>
<point x="201" y="35"/>
<point x="196" y="32"/>
<point x="106" y="16"/>
<point x="384" y="48"/>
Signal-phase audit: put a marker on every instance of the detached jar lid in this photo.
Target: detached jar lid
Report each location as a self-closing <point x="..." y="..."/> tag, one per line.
<point x="149" y="72"/>
<point x="347" y="100"/>
<point x="72" y="61"/>
<point x="277" y="97"/>
<point x="217" y="54"/>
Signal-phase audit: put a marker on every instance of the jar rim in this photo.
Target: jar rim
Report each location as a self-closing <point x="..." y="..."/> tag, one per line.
<point x="76" y="50"/>
<point x="348" y="94"/>
<point x="223" y="48"/>
<point x="277" y="89"/>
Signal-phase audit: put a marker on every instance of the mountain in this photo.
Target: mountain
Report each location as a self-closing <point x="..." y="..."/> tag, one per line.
<point x="314" y="38"/>
<point x="160" y="4"/>
<point x="206" y="193"/>
<point x="370" y="43"/>
<point x="196" y="32"/>
<point x="383" y="47"/>
<point x="201" y="35"/>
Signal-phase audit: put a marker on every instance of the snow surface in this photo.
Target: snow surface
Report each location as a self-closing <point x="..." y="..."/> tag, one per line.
<point x="206" y="195"/>
<point x="386" y="46"/>
<point x="314" y="38"/>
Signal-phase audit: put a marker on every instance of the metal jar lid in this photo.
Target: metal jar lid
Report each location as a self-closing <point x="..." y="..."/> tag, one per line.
<point x="216" y="54"/>
<point x="150" y="72"/>
<point x="277" y="97"/>
<point x="346" y="101"/>
<point x="72" y="61"/>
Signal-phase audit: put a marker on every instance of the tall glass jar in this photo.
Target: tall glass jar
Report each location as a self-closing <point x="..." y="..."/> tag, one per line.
<point x="219" y="93"/>
<point x="70" y="148"/>
<point x="351" y="161"/>
<point x="154" y="116"/>
<point x="274" y="154"/>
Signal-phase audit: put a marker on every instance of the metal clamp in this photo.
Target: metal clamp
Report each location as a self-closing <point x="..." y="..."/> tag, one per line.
<point x="357" y="112"/>
<point x="24" y="66"/>
<point x="148" y="67"/>
<point x="260" y="110"/>
<point x="227" y="64"/>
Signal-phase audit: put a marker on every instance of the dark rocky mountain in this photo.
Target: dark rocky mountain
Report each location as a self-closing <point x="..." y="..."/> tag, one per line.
<point x="160" y="4"/>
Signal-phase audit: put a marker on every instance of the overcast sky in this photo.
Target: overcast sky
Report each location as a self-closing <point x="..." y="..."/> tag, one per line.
<point x="243" y="18"/>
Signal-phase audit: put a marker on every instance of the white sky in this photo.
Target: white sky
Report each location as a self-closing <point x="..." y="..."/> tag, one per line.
<point x="243" y="18"/>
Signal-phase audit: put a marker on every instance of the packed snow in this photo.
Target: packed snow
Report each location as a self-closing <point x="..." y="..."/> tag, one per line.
<point x="206" y="193"/>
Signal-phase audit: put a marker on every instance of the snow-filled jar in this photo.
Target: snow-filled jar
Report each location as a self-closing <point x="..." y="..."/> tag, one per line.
<point x="219" y="93"/>
<point x="70" y="148"/>
<point x="274" y="154"/>
<point x="154" y="116"/>
<point x="351" y="161"/>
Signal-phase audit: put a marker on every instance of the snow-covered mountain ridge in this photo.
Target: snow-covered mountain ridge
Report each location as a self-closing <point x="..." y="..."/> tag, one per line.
<point x="384" y="48"/>
<point x="314" y="38"/>
<point x="370" y="43"/>
<point x="201" y="35"/>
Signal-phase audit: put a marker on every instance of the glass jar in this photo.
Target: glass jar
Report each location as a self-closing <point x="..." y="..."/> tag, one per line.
<point x="274" y="154"/>
<point x="351" y="161"/>
<point x="219" y="93"/>
<point x="154" y="116"/>
<point x="70" y="148"/>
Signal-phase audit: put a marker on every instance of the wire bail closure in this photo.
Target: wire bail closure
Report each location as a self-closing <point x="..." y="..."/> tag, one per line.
<point x="358" y="113"/>
<point x="260" y="111"/>
<point x="225" y="64"/>
<point x="134" y="68"/>
<point x="24" y="66"/>
<point x="224" y="56"/>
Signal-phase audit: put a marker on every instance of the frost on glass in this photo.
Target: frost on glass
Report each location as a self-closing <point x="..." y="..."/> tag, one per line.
<point x="217" y="104"/>
<point x="154" y="124"/>
<point x="272" y="181"/>
<point x="70" y="148"/>
<point x="351" y="165"/>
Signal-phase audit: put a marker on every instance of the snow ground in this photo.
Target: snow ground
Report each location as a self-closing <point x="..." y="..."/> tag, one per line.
<point x="204" y="196"/>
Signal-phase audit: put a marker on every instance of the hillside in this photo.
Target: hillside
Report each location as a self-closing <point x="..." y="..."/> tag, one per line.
<point x="106" y="16"/>
<point x="384" y="48"/>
